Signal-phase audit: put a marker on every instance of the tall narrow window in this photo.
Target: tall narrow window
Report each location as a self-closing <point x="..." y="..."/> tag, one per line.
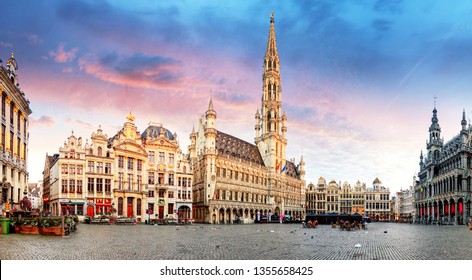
<point x="3" y="138"/>
<point x="72" y="186"/>
<point x="151" y="177"/>
<point x="90" y="185"/>
<point x="64" y="186"/>
<point x="18" y="121"/>
<point x="79" y="186"/>
<point x="99" y="185"/>
<point x="108" y="186"/>
<point x="91" y="166"/>
<point x="11" y="143"/>
<point x="107" y="168"/>
<point x="139" y="181"/>
<point x="120" y="180"/>
<point x="12" y="111"/>
<point x="4" y="101"/>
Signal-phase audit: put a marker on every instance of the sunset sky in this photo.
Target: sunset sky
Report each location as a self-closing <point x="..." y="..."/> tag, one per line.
<point x="359" y="78"/>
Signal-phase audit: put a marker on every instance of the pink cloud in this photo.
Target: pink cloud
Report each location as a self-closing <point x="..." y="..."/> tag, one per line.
<point x="63" y="56"/>
<point x="42" y="121"/>
<point x="138" y="70"/>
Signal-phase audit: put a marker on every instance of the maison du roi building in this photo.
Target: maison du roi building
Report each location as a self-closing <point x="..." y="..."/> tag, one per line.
<point x="14" y="138"/>
<point x="443" y="192"/>
<point x="238" y="181"/>
<point x="144" y="176"/>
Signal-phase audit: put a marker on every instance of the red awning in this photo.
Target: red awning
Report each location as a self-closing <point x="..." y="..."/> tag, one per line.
<point x="103" y="204"/>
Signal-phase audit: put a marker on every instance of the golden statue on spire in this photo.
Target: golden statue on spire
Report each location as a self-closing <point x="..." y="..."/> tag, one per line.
<point x="130" y="117"/>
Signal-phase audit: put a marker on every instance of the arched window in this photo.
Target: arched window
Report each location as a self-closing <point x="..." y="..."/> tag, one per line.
<point x="99" y="151"/>
<point x="72" y="154"/>
<point x="90" y="151"/>
<point x="184" y="169"/>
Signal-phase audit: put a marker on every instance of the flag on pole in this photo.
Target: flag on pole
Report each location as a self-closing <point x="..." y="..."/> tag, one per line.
<point x="284" y="168"/>
<point x="215" y="194"/>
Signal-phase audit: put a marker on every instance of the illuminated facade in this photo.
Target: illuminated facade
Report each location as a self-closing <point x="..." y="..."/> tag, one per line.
<point x="169" y="177"/>
<point x="238" y="181"/>
<point x="345" y="199"/>
<point x="444" y="190"/>
<point x="14" y="137"/>
<point x="377" y="201"/>
<point x="134" y="174"/>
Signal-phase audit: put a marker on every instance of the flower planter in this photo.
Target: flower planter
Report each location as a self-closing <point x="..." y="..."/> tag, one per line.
<point x="29" y="229"/>
<point x="52" y="231"/>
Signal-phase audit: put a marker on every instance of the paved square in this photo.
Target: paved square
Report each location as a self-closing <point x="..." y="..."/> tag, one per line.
<point x="381" y="241"/>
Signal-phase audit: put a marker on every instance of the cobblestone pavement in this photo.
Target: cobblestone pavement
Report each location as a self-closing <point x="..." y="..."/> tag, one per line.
<point x="381" y="241"/>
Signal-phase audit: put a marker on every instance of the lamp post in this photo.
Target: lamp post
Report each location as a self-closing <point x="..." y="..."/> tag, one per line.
<point x="68" y="207"/>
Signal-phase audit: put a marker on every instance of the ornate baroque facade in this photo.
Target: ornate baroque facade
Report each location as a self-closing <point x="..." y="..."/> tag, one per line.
<point x="326" y="199"/>
<point x="14" y="138"/>
<point x="443" y="192"/>
<point x="236" y="180"/>
<point x="139" y="175"/>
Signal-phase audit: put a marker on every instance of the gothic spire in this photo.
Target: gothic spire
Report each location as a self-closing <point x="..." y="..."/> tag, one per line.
<point x="271" y="51"/>
<point x="210" y="106"/>
<point x="463" y="122"/>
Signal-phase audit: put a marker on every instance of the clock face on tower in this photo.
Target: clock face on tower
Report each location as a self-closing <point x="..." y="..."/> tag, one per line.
<point x="213" y="177"/>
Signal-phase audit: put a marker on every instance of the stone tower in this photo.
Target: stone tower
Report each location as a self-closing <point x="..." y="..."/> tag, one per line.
<point x="271" y="121"/>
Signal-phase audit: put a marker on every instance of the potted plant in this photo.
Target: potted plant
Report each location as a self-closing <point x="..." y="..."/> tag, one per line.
<point x="51" y="226"/>
<point x="14" y="225"/>
<point x="29" y="226"/>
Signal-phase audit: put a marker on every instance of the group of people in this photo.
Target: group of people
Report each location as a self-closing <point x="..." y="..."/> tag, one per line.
<point x="310" y="224"/>
<point x="347" y="225"/>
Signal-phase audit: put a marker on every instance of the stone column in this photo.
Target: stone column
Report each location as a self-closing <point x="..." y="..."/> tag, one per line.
<point x="456" y="220"/>
<point x="431" y="211"/>
<point x="464" y="216"/>
<point x="448" y="211"/>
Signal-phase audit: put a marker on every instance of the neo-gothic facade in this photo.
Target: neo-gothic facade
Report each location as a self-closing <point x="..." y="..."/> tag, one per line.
<point x="238" y="181"/>
<point x="443" y="192"/>
<point x="14" y="137"/>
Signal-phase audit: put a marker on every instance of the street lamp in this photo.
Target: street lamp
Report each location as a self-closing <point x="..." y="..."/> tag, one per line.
<point x="68" y="207"/>
<point x="149" y="214"/>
